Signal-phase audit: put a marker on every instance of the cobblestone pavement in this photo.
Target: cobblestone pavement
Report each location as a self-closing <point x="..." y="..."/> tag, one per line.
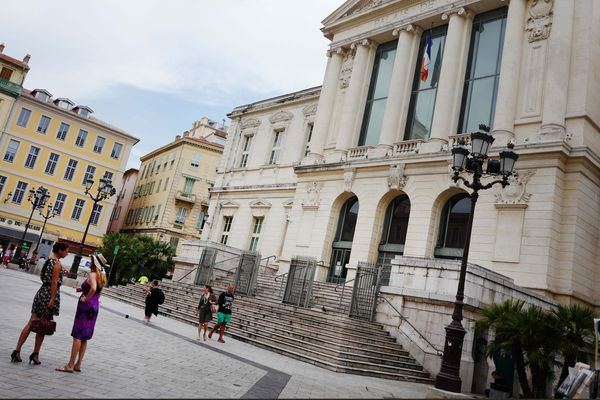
<point x="129" y="359"/>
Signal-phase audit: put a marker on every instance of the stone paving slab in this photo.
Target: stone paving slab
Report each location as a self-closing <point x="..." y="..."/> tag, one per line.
<point x="129" y="359"/>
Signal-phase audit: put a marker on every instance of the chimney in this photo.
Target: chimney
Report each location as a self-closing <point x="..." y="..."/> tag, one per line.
<point x="1" y="47"/>
<point x="186" y="134"/>
<point x="27" y="58"/>
<point x="177" y="137"/>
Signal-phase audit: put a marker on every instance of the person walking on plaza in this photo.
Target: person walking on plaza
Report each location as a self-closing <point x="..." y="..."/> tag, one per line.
<point x="32" y="261"/>
<point x="7" y="255"/>
<point x="87" y="312"/>
<point x="205" y="310"/>
<point x="46" y="302"/>
<point x="224" y="315"/>
<point x="154" y="297"/>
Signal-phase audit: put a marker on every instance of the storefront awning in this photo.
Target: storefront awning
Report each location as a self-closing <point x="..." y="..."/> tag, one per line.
<point x="15" y="234"/>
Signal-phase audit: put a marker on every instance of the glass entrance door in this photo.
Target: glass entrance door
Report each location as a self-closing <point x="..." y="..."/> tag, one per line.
<point x="342" y="244"/>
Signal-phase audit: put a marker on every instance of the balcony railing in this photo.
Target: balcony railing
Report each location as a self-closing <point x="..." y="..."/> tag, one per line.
<point x="185" y="196"/>
<point x="358" y="153"/>
<point x="10" y="88"/>
<point x="406" y="147"/>
<point x="454" y="139"/>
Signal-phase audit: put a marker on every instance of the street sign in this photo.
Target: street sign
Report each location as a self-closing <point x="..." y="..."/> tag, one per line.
<point x="116" y="250"/>
<point x="25" y="245"/>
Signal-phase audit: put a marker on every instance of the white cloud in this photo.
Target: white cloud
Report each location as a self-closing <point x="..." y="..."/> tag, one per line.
<point x="203" y="51"/>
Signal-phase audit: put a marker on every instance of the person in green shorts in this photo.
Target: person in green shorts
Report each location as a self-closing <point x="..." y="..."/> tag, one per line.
<point x="225" y="303"/>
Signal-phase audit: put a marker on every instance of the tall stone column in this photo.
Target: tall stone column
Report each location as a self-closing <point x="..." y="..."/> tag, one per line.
<point x="452" y="79"/>
<point x="325" y="108"/>
<point x="558" y="67"/>
<point x="508" y="86"/>
<point x="350" y="110"/>
<point x="394" y="118"/>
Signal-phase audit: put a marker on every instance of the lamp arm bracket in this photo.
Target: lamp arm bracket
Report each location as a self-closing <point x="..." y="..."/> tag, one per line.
<point x="504" y="182"/>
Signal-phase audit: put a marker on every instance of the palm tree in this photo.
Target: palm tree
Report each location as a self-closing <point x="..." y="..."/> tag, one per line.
<point x="576" y="324"/>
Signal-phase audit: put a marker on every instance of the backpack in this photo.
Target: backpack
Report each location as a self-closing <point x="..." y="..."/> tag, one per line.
<point x="161" y="296"/>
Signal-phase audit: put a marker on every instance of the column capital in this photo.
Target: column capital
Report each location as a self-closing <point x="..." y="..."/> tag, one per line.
<point x="337" y="50"/>
<point x="410" y="28"/>
<point x="460" y="11"/>
<point x="363" y="42"/>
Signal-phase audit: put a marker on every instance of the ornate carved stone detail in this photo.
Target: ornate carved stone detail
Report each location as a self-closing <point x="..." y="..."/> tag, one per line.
<point x="408" y="28"/>
<point x="460" y="11"/>
<point x="539" y="22"/>
<point x="281" y="116"/>
<point x="362" y="42"/>
<point x="313" y="195"/>
<point x="259" y="207"/>
<point x="249" y="123"/>
<point x="310" y="110"/>
<point x="346" y="70"/>
<point x="397" y="179"/>
<point x="368" y="5"/>
<point x="349" y="178"/>
<point x="516" y="192"/>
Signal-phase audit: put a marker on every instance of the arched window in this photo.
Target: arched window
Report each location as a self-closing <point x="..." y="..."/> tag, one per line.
<point x="342" y="244"/>
<point x="393" y="235"/>
<point x="453" y="227"/>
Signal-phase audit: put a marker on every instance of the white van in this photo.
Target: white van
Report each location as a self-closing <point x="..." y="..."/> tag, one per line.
<point x="84" y="264"/>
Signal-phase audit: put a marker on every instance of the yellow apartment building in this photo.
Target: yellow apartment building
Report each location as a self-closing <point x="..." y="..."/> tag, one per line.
<point x="171" y="196"/>
<point x="52" y="142"/>
<point x="12" y="75"/>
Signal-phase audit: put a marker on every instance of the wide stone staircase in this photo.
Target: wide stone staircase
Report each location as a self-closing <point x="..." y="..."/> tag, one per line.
<point x="323" y="335"/>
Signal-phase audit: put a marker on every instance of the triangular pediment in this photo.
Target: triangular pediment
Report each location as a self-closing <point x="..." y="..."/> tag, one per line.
<point x="260" y="203"/>
<point x="352" y="7"/>
<point x="229" y="204"/>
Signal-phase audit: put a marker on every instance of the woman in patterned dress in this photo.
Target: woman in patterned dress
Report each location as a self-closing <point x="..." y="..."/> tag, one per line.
<point x="45" y="303"/>
<point x="87" y="312"/>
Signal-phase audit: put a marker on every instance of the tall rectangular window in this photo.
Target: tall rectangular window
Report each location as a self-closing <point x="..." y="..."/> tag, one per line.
<point x="95" y="217"/>
<point x="188" y="186"/>
<point x="226" y="229"/>
<point x="63" y="129"/>
<point x="378" y="93"/>
<point x="309" y="133"/>
<point x="256" y="229"/>
<point x="166" y="184"/>
<point x="6" y="73"/>
<point x="116" y="151"/>
<point x="424" y="89"/>
<point x="59" y="203"/>
<point x="77" y="209"/>
<point x="200" y="221"/>
<point x="34" y="152"/>
<point x="81" y="137"/>
<point x="274" y="158"/>
<point x="245" y="151"/>
<point x="19" y="192"/>
<point x="180" y="217"/>
<point x="51" y="165"/>
<point x="70" y="171"/>
<point x="2" y="183"/>
<point x="99" y="145"/>
<point x="195" y="162"/>
<point x="155" y="217"/>
<point x="44" y="124"/>
<point x="483" y="71"/>
<point x="24" y="116"/>
<point x="89" y="173"/>
<point x="108" y="175"/>
<point x="11" y="150"/>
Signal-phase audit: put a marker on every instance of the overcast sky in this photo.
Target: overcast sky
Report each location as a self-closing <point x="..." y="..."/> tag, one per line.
<point x="152" y="67"/>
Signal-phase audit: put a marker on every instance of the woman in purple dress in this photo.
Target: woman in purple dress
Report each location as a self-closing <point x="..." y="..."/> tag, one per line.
<point x="87" y="311"/>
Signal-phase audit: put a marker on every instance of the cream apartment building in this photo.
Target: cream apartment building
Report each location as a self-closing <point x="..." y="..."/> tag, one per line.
<point x="170" y="200"/>
<point x="123" y="198"/>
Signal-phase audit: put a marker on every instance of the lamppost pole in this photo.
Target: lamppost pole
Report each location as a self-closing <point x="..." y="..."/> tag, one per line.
<point x="50" y="213"/>
<point x="105" y="190"/>
<point x="472" y="162"/>
<point x="37" y="198"/>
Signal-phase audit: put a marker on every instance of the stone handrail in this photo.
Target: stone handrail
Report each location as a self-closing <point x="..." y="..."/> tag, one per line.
<point x="358" y="153"/>
<point x="406" y="147"/>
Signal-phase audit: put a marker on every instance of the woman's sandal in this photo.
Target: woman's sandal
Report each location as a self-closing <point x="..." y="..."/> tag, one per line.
<point x="64" y="369"/>
<point x="76" y="369"/>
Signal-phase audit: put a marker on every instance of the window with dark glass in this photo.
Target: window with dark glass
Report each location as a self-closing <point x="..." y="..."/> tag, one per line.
<point x="483" y="71"/>
<point x="342" y="245"/>
<point x="62" y="131"/>
<point x="378" y="93"/>
<point x="393" y="236"/>
<point x="70" y="171"/>
<point x="32" y="157"/>
<point x="99" y="145"/>
<point x="59" y="203"/>
<point x="227" y="221"/>
<point x="95" y="216"/>
<point x="11" y="150"/>
<point x="245" y="151"/>
<point x="81" y="136"/>
<point x="23" y="119"/>
<point x="51" y="164"/>
<point x="19" y="192"/>
<point x="44" y="124"/>
<point x="453" y="227"/>
<point x="424" y="91"/>
<point x="347" y="223"/>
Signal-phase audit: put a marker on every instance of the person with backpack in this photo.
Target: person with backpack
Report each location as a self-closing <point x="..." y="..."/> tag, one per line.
<point x="154" y="297"/>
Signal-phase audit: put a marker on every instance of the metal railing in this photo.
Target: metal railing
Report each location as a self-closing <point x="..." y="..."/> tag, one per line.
<point x="404" y="319"/>
<point x="225" y="270"/>
<point x="343" y="286"/>
<point x="281" y="285"/>
<point x="10" y="88"/>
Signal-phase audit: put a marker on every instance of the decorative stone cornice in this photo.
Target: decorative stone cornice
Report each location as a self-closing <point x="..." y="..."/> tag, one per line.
<point x="280" y="117"/>
<point x="249" y="123"/>
<point x="310" y="110"/>
<point x="460" y="11"/>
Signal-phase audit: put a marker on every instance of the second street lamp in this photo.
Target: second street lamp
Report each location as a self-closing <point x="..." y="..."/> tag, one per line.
<point x="37" y="198"/>
<point x="51" y="212"/>
<point x="471" y="162"/>
<point x="105" y="190"/>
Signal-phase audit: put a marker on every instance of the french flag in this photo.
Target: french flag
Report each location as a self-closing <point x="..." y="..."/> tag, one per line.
<point x="426" y="59"/>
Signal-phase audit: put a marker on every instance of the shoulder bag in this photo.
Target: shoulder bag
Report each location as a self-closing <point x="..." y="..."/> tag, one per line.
<point x="45" y="325"/>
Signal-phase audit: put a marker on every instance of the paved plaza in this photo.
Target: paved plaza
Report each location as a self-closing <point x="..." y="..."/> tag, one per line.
<point x="127" y="358"/>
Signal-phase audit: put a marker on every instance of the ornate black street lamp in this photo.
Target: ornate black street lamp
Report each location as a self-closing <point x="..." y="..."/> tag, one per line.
<point x="37" y="198"/>
<point x="105" y="190"/>
<point x="470" y="162"/>
<point x="51" y="212"/>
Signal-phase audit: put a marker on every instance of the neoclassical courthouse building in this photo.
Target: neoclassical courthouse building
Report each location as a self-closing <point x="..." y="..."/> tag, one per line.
<point x="358" y="169"/>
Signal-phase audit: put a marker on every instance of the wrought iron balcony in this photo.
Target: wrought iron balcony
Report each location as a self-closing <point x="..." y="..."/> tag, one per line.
<point x="185" y="196"/>
<point x="9" y="88"/>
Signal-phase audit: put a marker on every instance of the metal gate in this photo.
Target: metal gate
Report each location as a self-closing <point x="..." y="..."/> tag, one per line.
<point x="204" y="273"/>
<point x="365" y="291"/>
<point x="298" y="290"/>
<point x="247" y="273"/>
